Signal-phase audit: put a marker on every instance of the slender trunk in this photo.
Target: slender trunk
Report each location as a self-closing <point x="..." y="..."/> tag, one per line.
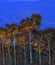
<point x="30" y="51"/>
<point x="30" y="54"/>
<point x="49" y="51"/>
<point x="14" y="53"/>
<point x="3" y="53"/>
<point x="20" y="55"/>
<point x="10" y="59"/>
<point x="39" y="56"/>
<point x="24" y="55"/>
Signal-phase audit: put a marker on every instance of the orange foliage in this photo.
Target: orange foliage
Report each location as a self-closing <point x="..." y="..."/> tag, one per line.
<point x="2" y="34"/>
<point x="8" y="42"/>
<point x="20" y="39"/>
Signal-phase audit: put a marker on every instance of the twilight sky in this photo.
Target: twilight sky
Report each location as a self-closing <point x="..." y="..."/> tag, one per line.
<point x="12" y="11"/>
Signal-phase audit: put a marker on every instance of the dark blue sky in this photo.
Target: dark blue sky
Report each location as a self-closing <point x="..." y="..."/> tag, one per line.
<point x="13" y="11"/>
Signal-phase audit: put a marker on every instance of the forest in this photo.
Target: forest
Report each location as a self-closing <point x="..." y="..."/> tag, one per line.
<point x="25" y="44"/>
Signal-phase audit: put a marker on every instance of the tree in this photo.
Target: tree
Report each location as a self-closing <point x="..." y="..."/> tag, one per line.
<point x="38" y="43"/>
<point x="2" y="36"/>
<point x="26" y="29"/>
<point x="7" y="46"/>
<point x="28" y="25"/>
<point x="47" y="34"/>
<point x="36" y="20"/>
<point x="21" y="38"/>
<point x="14" y="29"/>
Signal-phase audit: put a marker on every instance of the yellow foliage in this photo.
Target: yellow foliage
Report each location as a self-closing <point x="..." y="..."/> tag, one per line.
<point x="2" y="35"/>
<point x="38" y="49"/>
<point x="8" y="42"/>
<point x="21" y="39"/>
<point x="16" y="31"/>
<point x="35" y="44"/>
<point x="27" y="28"/>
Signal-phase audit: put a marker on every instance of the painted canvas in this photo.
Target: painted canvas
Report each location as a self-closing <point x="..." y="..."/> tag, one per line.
<point x="27" y="32"/>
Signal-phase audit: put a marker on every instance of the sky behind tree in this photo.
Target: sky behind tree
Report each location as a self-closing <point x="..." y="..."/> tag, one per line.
<point x="13" y="11"/>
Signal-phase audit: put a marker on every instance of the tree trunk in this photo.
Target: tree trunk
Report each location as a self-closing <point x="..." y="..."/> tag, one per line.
<point x="3" y="53"/>
<point x="14" y="53"/>
<point x="39" y="56"/>
<point x="10" y="59"/>
<point x="30" y="50"/>
<point x="49" y="51"/>
<point x="20" y="58"/>
<point x="30" y="54"/>
<point x="25" y="55"/>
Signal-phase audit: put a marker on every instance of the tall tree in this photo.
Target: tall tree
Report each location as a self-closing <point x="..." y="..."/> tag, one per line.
<point x="7" y="46"/>
<point x="21" y="38"/>
<point x="48" y="36"/>
<point x="14" y="29"/>
<point x="2" y="36"/>
<point x="28" y="25"/>
<point x="38" y="43"/>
